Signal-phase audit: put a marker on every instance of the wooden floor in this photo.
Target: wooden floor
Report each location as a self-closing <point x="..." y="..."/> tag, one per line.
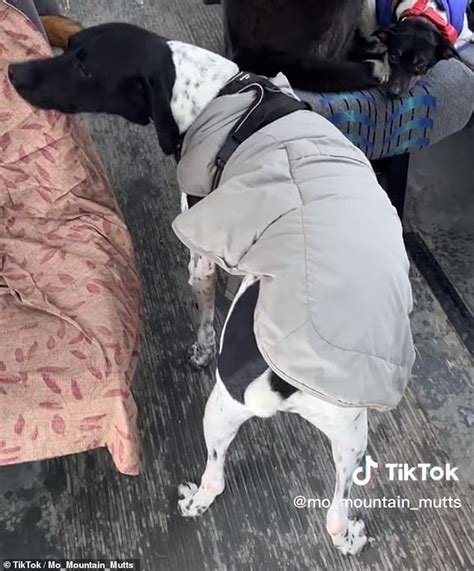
<point x="81" y="507"/>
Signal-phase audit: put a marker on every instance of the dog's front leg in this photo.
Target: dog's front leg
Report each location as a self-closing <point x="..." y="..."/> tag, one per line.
<point x="222" y="419"/>
<point x="202" y="278"/>
<point x="372" y="51"/>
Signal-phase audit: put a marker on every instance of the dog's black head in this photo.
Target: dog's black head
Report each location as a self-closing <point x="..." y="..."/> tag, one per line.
<point x="414" y="46"/>
<point x="112" y="68"/>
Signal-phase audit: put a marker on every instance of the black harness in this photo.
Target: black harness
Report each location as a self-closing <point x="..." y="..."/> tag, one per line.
<point x="269" y="105"/>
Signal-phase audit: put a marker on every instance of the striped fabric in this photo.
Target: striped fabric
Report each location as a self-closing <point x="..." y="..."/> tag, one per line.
<point x="438" y="106"/>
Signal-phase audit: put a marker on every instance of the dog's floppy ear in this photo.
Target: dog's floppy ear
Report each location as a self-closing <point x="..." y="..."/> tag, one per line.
<point x="59" y="30"/>
<point x="446" y="50"/>
<point x="159" y="98"/>
<point x="383" y="35"/>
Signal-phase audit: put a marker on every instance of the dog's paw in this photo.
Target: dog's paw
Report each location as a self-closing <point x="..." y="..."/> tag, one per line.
<point x="353" y="540"/>
<point x="380" y="70"/>
<point x="201" y="355"/>
<point x="186" y="500"/>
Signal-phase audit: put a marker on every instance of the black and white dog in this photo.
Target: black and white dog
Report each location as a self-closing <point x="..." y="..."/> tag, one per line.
<point x="409" y="37"/>
<point x="124" y="70"/>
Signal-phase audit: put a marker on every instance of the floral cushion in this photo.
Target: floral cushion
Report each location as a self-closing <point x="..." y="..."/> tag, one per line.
<point x="70" y="298"/>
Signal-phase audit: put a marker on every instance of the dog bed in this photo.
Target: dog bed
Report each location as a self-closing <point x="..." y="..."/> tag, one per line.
<point x="70" y="298"/>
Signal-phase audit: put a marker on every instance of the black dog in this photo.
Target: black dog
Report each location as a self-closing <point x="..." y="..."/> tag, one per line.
<point x="416" y="34"/>
<point x="131" y="74"/>
<point x="310" y="41"/>
<point x="414" y="46"/>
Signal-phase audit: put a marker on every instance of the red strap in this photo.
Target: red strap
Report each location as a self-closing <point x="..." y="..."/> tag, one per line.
<point x="420" y="9"/>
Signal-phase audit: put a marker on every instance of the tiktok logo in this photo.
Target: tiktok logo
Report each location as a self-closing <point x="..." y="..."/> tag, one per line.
<point x="362" y="475"/>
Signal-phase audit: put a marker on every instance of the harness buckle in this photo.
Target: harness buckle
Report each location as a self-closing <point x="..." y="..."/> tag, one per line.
<point x="220" y="162"/>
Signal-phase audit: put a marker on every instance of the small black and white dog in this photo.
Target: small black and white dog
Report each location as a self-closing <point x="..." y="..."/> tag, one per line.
<point x="127" y="71"/>
<point x="417" y="34"/>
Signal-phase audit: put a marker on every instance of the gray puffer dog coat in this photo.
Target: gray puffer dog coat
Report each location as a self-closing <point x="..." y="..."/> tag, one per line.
<point x="299" y="206"/>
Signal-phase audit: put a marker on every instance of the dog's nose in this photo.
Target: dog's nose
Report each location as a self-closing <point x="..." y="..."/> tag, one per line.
<point x="395" y="90"/>
<point x="19" y="76"/>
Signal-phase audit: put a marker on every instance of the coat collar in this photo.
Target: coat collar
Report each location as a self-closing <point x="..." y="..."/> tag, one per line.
<point x="205" y="137"/>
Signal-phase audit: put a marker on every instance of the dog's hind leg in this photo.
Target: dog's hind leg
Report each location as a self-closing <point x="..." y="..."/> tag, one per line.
<point x="347" y="429"/>
<point x="222" y="419"/>
<point x="348" y="446"/>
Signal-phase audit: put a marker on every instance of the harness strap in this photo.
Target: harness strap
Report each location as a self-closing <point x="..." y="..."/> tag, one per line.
<point x="270" y="104"/>
<point x="421" y="10"/>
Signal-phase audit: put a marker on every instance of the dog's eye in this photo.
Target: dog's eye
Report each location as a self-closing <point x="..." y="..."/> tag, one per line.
<point x="420" y="67"/>
<point x="81" y="56"/>
<point x="82" y="70"/>
<point x="393" y="58"/>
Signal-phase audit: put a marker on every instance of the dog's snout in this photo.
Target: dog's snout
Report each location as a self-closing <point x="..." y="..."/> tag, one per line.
<point x="11" y="74"/>
<point x="20" y="76"/>
<point x="398" y="86"/>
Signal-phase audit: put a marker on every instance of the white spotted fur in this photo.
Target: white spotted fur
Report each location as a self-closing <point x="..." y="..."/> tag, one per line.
<point x="200" y="75"/>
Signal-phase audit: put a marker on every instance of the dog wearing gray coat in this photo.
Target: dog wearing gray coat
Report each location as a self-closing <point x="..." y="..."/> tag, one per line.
<point x="124" y="70"/>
